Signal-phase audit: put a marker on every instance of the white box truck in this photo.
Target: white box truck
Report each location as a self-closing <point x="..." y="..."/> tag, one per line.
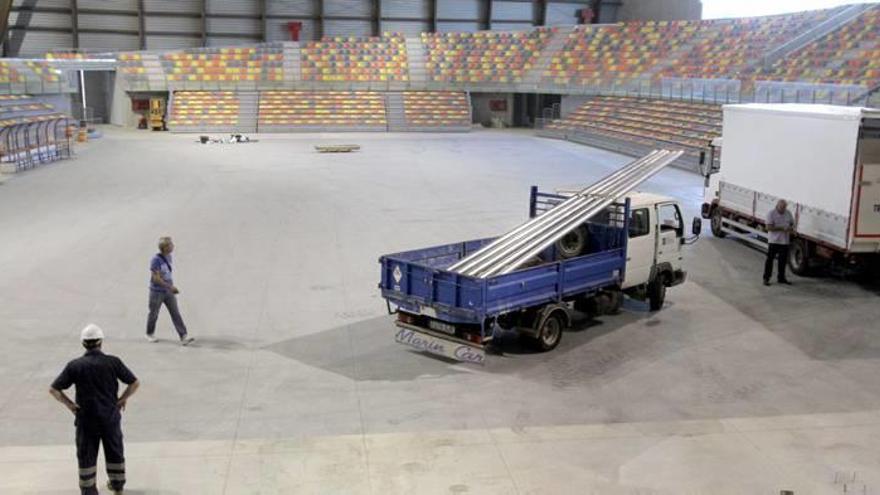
<point x="824" y="160"/>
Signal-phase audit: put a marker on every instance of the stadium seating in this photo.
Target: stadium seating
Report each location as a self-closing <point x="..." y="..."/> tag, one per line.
<point x="485" y="56"/>
<point x="31" y="132"/>
<point x="8" y="74"/>
<point x="436" y="109"/>
<point x="730" y="48"/>
<point x="364" y="59"/>
<point x="44" y="71"/>
<point x="319" y="110"/>
<point x="655" y="123"/>
<point x="262" y="63"/>
<point x="848" y="55"/>
<point x="195" y="110"/>
<point x="613" y="55"/>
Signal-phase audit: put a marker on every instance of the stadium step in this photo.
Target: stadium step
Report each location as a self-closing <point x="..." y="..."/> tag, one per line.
<point x="845" y="16"/>
<point x="415" y="54"/>
<point x="556" y="44"/>
<point x="292" y="64"/>
<point x="395" y="113"/>
<point x="248" y="109"/>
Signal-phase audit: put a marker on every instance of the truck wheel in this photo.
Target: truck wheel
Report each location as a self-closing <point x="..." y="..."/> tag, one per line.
<point x="715" y="222"/>
<point x="656" y="293"/>
<point x="799" y="257"/>
<point x="573" y="243"/>
<point x="550" y="333"/>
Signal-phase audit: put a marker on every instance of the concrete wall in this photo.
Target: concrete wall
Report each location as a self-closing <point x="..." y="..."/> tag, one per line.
<point x="483" y="114"/>
<point x="660" y="10"/>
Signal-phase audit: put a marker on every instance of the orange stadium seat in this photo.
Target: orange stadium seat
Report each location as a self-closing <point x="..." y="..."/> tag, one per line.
<point x="316" y="109"/>
<point x="436" y="109"/>
<point x="204" y="109"/>
<point x="658" y="123"/>
<point x="356" y="59"/>
<point x="485" y="56"/>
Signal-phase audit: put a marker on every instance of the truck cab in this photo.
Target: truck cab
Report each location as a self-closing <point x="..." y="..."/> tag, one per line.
<point x="654" y="246"/>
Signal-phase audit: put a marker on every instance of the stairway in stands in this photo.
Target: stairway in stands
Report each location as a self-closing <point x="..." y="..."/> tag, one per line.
<point x="154" y="72"/>
<point x="533" y="77"/>
<point x="248" y="110"/>
<point x="395" y="114"/>
<point x="292" y="64"/>
<point x="415" y="55"/>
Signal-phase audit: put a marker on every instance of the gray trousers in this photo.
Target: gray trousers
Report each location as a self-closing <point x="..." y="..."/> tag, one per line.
<point x="157" y="299"/>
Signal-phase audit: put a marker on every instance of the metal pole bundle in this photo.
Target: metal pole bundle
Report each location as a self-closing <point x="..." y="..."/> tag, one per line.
<point x="512" y="250"/>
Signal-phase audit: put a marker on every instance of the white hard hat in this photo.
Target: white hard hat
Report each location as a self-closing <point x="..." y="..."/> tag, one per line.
<point x="92" y="332"/>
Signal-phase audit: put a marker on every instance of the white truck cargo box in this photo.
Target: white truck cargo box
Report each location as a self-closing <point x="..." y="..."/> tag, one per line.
<point x="824" y="160"/>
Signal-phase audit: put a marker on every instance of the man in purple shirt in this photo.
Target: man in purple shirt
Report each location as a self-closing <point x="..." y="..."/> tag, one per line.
<point x="163" y="291"/>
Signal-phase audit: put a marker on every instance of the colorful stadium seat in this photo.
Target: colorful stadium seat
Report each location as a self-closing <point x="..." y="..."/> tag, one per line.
<point x="218" y="65"/>
<point x="485" y="56"/>
<point x="316" y="110"/>
<point x="436" y="109"/>
<point x="193" y="110"/>
<point x="356" y="59"/>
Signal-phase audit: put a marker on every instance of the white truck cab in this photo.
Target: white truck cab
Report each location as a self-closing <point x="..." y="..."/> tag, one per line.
<point x="654" y="248"/>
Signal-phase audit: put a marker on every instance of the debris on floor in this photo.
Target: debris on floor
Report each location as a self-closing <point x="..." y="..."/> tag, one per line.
<point x="233" y="139"/>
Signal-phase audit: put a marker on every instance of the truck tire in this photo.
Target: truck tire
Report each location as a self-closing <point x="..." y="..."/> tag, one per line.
<point x="715" y="222"/>
<point x="656" y="293"/>
<point x="573" y="244"/>
<point x="550" y="333"/>
<point x="799" y="257"/>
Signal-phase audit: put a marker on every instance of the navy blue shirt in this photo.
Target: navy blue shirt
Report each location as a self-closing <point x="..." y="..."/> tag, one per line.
<point x="161" y="263"/>
<point x="96" y="376"/>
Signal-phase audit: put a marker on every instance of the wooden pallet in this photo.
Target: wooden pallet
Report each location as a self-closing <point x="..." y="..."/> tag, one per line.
<point x="338" y="148"/>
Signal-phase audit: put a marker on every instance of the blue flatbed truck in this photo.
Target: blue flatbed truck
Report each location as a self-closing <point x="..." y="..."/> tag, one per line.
<point x="456" y="316"/>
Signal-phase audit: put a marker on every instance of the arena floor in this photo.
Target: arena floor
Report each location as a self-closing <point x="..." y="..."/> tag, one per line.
<point x="295" y="385"/>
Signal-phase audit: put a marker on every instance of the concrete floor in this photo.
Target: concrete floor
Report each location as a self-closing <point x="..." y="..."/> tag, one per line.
<point x="295" y="385"/>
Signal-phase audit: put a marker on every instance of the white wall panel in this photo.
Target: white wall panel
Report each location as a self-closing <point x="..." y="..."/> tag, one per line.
<point x="171" y="42"/>
<point x="42" y="19"/>
<point x="347" y="7"/>
<point x="247" y="7"/>
<point x="98" y="21"/>
<point x="108" y="42"/>
<point x="237" y="26"/>
<point x="562" y="13"/>
<point x="511" y="11"/>
<point x="173" y="5"/>
<point x="172" y="24"/>
<point x="465" y="27"/>
<point x="406" y="8"/>
<point x="130" y="5"/>
<point x="410" y="29"/>
<point x="37" y="43"/>
<point x="276" y="30"/>
<point x="347" y="28"/>
<point x="46" y="3"/>
<point x="220" y="42"/>
<point x="290" y="7"/>
<point x="458" y="9"/>
<point x="510" y="26"/>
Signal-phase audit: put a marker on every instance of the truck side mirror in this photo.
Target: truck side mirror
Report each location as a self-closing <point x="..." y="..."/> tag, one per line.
<point x="697" y="226"/>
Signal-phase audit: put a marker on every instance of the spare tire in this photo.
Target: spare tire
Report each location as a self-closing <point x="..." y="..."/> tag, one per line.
<point x="573" y="243"/>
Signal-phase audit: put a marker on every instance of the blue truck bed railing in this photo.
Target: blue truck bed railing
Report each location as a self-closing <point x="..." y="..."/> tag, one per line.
<point x="417" y="282"/>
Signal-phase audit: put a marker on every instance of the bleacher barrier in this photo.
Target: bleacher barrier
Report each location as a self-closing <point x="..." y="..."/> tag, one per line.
<point x="31" y="133"/>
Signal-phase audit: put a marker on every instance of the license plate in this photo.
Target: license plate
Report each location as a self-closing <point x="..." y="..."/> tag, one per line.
<point x="441" y="347"/>
<point x="441" y="327"/>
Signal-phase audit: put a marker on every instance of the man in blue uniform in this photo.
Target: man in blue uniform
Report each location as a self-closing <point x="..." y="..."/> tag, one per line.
<point x="163" y="291"/>
<point x="97" y="409"/>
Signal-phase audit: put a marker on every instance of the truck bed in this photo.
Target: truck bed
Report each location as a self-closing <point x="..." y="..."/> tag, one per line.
<point x="417" y="281"/>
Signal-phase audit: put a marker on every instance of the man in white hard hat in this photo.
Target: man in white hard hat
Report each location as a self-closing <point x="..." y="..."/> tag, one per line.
<point x="97" y="409"/>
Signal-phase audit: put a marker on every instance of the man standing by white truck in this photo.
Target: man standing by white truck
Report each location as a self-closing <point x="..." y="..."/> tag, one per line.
<point x="780" y="225"/>
<point x="823" y="160"/>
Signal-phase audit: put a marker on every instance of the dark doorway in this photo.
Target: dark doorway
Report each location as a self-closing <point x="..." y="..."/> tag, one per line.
<point x="529" y="107"/>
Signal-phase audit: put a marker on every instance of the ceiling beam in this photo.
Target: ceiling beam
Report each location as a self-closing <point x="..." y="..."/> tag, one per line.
<point x="74" y="23"/>
<point x="142" y="28"/>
